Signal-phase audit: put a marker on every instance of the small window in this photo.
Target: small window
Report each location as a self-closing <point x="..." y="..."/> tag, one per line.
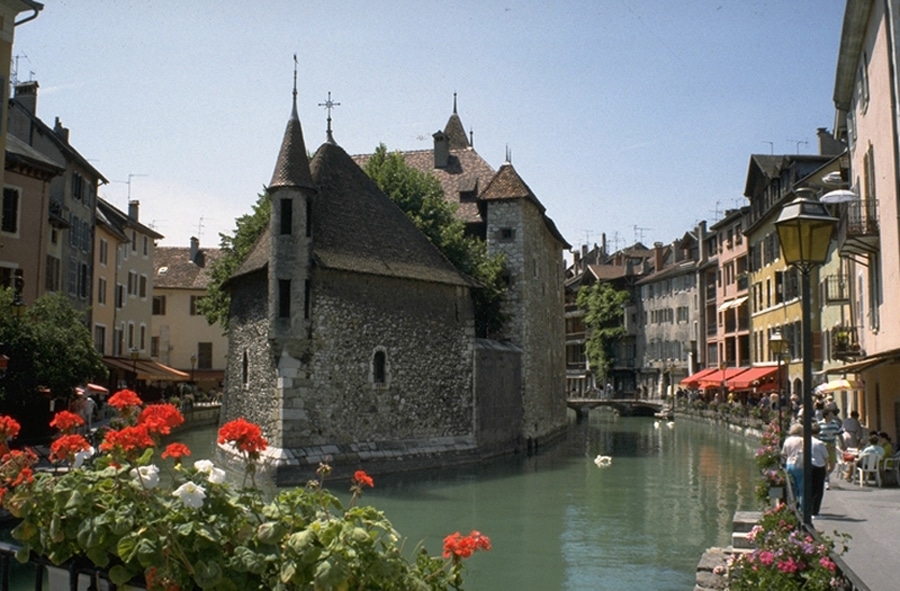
<point x="245" y="370"/>
<point x="204" y="355"/>
<point x="154" y="346"/>
<point x="284" y="298"/>
<point x="287" y="216"/>
<point x="159" y="305"/>
<point x="507" y="234"/>
<point x="101" y="291"/>
<point x="104" y="251"/>
<point x="194" y="301"/>
<point x="10" y="213"/>
<point x="146" y="246"/>
<point x="379" y="363"/>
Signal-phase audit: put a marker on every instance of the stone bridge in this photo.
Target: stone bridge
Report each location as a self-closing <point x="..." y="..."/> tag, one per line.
<point x="627" y="407"/>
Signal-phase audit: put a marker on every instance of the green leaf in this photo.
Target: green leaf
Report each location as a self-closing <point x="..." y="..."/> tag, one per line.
<point x="120" y="575"/>
<point x="207" y="574"/>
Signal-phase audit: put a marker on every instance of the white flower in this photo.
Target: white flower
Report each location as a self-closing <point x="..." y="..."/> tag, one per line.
<point x="81" y="456"/>
<point x="191" y="495"/>
<point x="204" y="466"/>
<point x="213" y="475"/>
<point x="147" y="476"/>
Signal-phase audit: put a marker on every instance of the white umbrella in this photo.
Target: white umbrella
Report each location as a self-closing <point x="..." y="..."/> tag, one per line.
<point x="836" y="386"/>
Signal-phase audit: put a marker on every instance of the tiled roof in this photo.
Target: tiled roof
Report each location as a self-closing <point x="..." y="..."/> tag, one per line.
<point x="466" y="172"/>
<point x="358" y="228"/>
<point x="507" y="184"/>
<point x="173" y="268"/>
<point x="456" y="133"/>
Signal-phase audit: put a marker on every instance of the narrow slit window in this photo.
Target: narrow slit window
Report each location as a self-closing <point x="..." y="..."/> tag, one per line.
<point x="287" y="216"/>
<point x="284" y="298"/>
<point x="378" y="367"/>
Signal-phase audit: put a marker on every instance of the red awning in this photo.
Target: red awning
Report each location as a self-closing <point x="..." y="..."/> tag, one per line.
<point x="693" y="380"/>
<point x="754" y="377"/>
<point x="715" y="379"/>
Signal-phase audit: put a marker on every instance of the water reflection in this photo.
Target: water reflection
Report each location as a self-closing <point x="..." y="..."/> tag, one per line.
<point x="558" y="522"/>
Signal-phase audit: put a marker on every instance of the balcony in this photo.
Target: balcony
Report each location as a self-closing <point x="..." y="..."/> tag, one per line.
<point x="835" y="289"/>
<point x="845" y="342"/>
<point x="858" y="231"/>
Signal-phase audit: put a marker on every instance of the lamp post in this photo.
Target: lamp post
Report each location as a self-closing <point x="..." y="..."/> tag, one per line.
<point x="193" y="363"/>
<point x="804" y="230"/>
<point x="778" y="345"/>
<point x="134" y="358"/>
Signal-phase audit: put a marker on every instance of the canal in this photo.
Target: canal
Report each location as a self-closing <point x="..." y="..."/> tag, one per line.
<point x="557" y="521"/>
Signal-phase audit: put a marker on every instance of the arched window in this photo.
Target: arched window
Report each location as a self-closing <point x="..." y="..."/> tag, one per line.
<point x="379" y="363"/>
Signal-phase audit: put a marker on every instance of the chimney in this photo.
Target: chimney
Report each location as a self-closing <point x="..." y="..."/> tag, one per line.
<point x="26" y="94"/>
<point x="657" y="256"/>
<point x="133" y="208"/>
<point x="60" y="131"/>
<point x="195" y="248"/>
<point x="441" y="149"/>
<point x="828" y="145"/>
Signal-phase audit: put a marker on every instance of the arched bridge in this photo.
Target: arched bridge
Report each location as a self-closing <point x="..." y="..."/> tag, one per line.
<point x="627" y="407"/>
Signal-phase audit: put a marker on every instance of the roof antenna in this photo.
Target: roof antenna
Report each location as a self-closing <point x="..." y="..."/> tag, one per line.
<point x="454" y="103"/>
<point x="294" y="112"/>
<point x="329" y="105"/>
<point x="508" y="155"/>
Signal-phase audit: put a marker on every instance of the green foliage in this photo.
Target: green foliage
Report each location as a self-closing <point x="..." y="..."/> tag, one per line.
<point x="51" y="348"/>
<point x="603" y="320"/>
<point x="192" y="529"/>
<point x="235" y="248"/>
<point x="420" y="195"/>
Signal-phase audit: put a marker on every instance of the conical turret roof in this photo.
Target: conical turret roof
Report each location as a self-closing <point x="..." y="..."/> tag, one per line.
<point x="292" y="166"/>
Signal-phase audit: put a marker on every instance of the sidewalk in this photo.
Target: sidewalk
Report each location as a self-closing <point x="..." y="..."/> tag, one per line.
<point x="871" y="515"/>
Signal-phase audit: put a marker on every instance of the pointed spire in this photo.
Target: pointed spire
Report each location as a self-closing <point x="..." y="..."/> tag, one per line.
<point x="292" y="166"/>
<point x="508" y="159"/>
<point x="455" y="131"/>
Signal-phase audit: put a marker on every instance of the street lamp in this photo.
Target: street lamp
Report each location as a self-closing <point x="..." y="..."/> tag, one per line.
<point x="778" y="346"/>
<point x="134" y="357"/>
<point x="193" y="363"/>
<point x="804" y="230"/>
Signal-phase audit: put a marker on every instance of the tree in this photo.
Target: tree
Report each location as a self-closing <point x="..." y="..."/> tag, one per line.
<point x="50" y="350"/>
<point x="420" y="195"/>
<point x="604" y="313"/>
<point x="235" y="248"/>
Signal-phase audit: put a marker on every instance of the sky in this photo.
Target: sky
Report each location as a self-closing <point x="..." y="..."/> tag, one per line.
<point x="633" y="119"/>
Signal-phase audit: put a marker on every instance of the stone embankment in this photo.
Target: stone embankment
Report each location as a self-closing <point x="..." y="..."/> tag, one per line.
<point x="711" y="569"/>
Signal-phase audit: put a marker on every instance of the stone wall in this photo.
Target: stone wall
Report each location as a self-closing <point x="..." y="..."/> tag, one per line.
<point x="535" y="308"/>
<point x="498" y="396"/>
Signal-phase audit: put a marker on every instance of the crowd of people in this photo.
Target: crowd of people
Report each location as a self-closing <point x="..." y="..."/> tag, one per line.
<point x="835" y="442"/>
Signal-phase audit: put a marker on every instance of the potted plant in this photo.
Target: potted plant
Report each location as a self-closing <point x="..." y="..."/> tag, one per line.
<point x="186" y="527"/>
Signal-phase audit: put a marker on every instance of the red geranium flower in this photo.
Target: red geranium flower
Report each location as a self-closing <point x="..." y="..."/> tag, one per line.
<point x="176" y="451"/>
<point x="67" y="446"/>
<point x="128" y="439"/>
<point x="459" y="546"/>
<point x="160" y="419"/>
<point x="66" y="421"/>
<point x="124" y="398"/>
<point x="361" y="478"/>
<point x="246" y="436"/>
<point x="9" y="428"/>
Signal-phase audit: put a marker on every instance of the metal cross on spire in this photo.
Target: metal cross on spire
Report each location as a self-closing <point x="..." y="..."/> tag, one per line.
<point x="294" y="108"/>
<point x="329" y="105"/>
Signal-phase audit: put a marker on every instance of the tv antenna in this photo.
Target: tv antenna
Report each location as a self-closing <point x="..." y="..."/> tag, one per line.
<point x="200" y="226"/>
<point x="639" y="233"/>
<point x="128" y="182"/>
<point x="771" y="147"/>
<point x="798" y="142"/>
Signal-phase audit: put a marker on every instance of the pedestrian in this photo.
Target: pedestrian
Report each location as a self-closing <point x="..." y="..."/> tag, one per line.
<point x="792" y="454"/>
<point x="819" y="458"/>
<point x="830" y="435"/>
<point x="854" y="434"/>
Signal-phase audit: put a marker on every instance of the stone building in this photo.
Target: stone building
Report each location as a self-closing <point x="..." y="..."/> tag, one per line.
<point x="352" y="338"/>
<point x="500" y="208"/>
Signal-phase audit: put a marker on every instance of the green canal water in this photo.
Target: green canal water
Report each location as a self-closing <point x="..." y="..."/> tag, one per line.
<point x="558" y="522"/>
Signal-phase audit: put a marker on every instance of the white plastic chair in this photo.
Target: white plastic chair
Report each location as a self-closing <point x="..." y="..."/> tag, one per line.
<point x="892" y="466"/>
<point x="868" y="467"/>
